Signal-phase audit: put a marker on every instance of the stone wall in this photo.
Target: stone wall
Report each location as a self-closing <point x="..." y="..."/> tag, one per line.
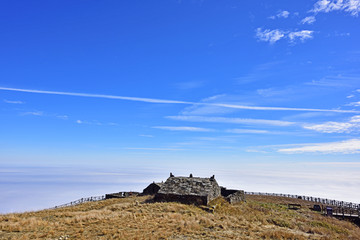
<point x="215" y="191"/>
<point x="236" y="197"/>
<point x="226" y="192"/>
<point x="121" y="195"/>
<point x="186" y="199"/>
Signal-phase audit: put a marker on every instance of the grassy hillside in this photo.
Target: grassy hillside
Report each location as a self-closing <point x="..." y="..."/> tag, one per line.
<point x="137" y="218"/>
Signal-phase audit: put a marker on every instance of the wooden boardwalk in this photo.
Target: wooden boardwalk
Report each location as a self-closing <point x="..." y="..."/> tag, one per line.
<point x="345" y="215"/>
<point x="328" y="207"/>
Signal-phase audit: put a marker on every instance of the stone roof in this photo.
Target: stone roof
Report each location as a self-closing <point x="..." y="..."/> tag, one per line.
<point x="159" y="183"/>
<point x="188" y="186"/>
<point x="153" y="188"/>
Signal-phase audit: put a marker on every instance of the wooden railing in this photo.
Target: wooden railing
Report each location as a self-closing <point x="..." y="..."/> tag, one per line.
<point x="325" y="201"/>
<point x="79" y="201"/>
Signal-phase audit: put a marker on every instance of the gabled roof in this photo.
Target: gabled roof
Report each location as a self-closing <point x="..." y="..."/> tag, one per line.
<point x="188" y="186"/>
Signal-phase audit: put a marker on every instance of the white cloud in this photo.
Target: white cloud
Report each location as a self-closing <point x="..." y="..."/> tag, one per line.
<point x="272" y="92"/>
<point x="268" y="35"/>
<point x="330" y="127"/>
<point x="95" y="122"/>
<point x="346" y="147"/>
<point x="353" y="125"/>
<point x="308" y="20"/>
<point x="327" y="6"/>
<point x="281" y="108"/>
<point x="146" y="135"/>
<point x="232" y="120"/>
<point x="344" y="34"/>
<point x="272" y="36"/>
<point x="201" y="109"/>
<point x="13" y="102"/>
<point x="44" y="114"/>
<point x="281" y="14"/>
<point x="301" y="35"/>
<point x="356" y="104"/>
<point x="339" y="80"/>
<point x="350" y="6"/>
<point x="244" y="131"/>
<point x="350" y="96"/>
<point x="154" y="149"/>
<point x="189" y="129"/>
<point x="153" y="100"/>
<point x="34" y="113"/>
<point x="137" y="99"/>
<point x="64" y="117"/>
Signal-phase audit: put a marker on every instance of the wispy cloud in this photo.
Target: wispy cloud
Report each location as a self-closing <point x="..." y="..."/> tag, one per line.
<point x="260" y="72"/>
<point x="189" y="85"/>
<point x="339" y="80"/>
<point x="146" y="135"/>
<point x="350" y="6"/>
<point x="45" y="114"/>
<point x="342" y="34"/>
<point x="248" y="121"/>
<point x="353" y="125"/>
<point x="148" y="100"/>
<point x="33" y="113"/>
<point x="275" y="92"/>
<point x="13" y="102"/>
<point x="283" y="108"/>
<point x="308" y="20"/>
<point x="154" y="149"/>
<point x="356" y="104"/>
<point x="201" y="109"/>
<point x="300" y="35"/>
<point x="154" y="100"/>
<point x="272" y="36"/>
<point x="346" y="147"/>
<point x="63" y="117"/>
<point x="94" y="122"/>
<point x="182" y="128"/>
<point x="281" y="14"/>
<point x="245" y="131"/>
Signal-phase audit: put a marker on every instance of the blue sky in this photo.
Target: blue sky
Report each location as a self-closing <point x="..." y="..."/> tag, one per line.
<point x="266" y="94"/>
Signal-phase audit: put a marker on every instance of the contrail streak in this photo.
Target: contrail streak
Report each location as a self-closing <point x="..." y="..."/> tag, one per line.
<point x="154" y="100"/>
<point x="149" y="100"/>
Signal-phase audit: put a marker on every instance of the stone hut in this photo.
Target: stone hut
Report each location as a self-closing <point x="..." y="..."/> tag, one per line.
<point x="152" y="189"/>
<point x="189" y="190"/>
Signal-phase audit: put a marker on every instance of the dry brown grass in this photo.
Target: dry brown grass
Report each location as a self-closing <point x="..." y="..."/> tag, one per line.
<point x="136" y="218"/>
